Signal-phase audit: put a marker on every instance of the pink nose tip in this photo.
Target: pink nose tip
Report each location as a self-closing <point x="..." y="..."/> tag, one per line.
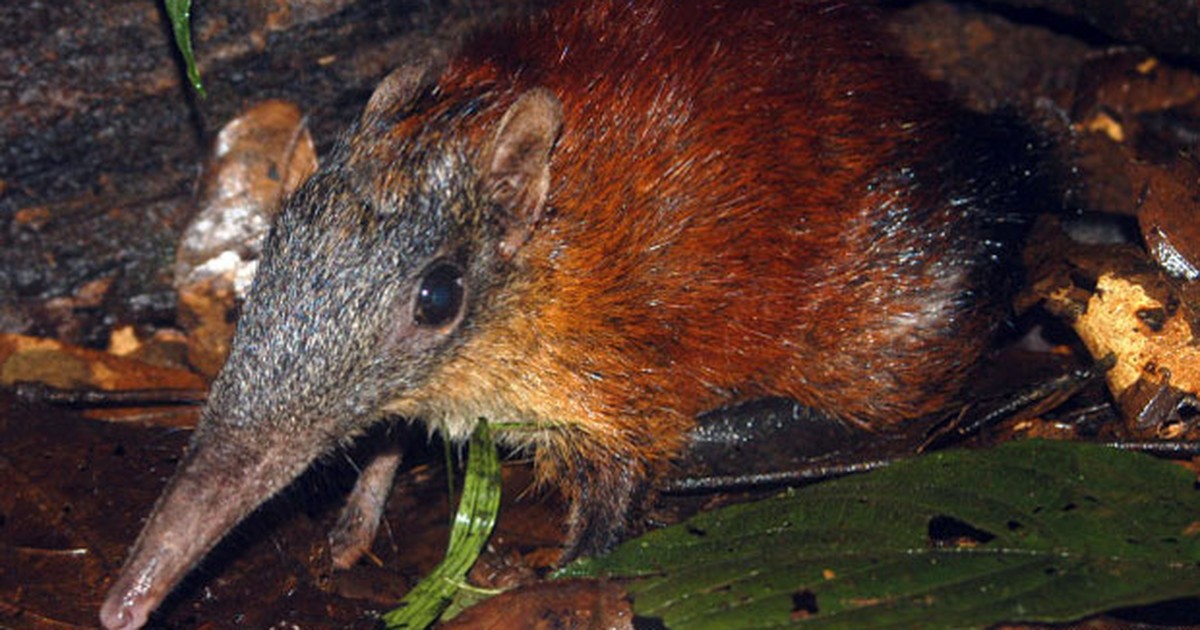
<point x="122" y="612"/>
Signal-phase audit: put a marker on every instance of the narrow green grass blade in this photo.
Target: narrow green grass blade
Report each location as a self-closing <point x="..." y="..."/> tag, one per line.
<point x="180" y="14"/>
<point x="1028" y="532"/>
<point x="472" y="526"/>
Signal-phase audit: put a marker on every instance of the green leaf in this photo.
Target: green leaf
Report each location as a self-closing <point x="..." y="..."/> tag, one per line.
<point x="180" y="14"/>
<point x="473" y="523"/>
<point x="1032" y="531"/>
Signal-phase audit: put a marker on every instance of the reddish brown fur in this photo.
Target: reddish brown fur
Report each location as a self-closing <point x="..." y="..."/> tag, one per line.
<point x="721" y="198"/>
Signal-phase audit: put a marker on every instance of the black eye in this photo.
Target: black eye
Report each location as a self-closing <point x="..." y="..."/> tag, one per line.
<point x="440" y="297"/>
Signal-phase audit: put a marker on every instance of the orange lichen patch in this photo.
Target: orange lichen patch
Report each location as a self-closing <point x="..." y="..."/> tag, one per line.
<point x="1146" y="337"/>
<point x="1103" y="123"/>
<point x="53" y="363"/>
<point x="33" y="217"/>
<point x="123" y="341"/>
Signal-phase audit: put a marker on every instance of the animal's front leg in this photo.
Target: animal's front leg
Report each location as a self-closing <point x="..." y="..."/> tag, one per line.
<point x="355" y="530"/>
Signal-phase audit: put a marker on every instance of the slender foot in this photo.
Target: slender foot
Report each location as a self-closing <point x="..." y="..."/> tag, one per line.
<point x="355" y="530"/>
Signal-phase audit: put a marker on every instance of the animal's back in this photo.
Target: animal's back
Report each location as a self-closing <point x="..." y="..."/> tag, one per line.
<point x="747" y="199"/>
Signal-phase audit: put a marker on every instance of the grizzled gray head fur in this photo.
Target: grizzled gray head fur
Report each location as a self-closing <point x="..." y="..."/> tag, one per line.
<point x="373" y="275"/>
<point x="330" y="326"/>
<point x="376" y="269"/>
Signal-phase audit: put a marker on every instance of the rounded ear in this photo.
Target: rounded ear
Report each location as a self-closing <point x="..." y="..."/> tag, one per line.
<point x="399" y="87"/>
<point x="515" y="165"/>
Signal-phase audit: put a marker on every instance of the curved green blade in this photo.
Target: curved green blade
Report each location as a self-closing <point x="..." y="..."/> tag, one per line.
<point x="473" y="523"/>
<point x="180" y="14"/>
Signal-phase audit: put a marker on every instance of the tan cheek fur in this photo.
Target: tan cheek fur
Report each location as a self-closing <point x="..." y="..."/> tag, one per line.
<point x="510" y="374"/>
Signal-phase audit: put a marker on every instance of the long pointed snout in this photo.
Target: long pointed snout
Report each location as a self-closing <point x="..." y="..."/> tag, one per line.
<point x="223" y="479"/>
